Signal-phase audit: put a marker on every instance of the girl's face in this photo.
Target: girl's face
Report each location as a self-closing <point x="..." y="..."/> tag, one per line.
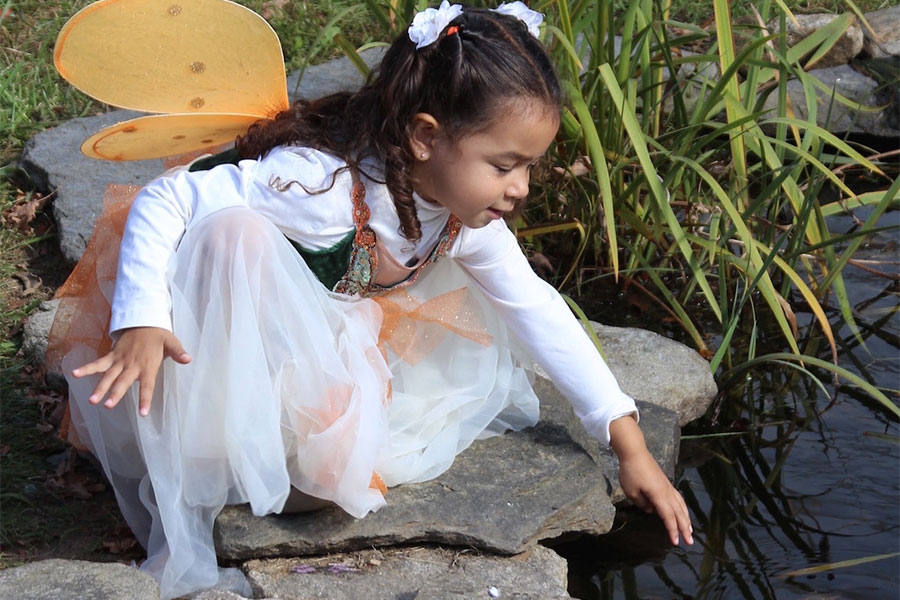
<point x="480" y="177"/>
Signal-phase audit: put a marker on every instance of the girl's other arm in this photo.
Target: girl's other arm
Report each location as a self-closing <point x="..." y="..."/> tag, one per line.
<point x="644" y="482"/>
<point x="542" y="321"/>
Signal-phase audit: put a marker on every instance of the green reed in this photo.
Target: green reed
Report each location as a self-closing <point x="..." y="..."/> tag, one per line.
<point x="696" y="186"/>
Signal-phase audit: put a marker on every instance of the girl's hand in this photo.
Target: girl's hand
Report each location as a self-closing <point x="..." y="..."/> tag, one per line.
<point x="644" y="482"/>
<point x="136" y="356"/>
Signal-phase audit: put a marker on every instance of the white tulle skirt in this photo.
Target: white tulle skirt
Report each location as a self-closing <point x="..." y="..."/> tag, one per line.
<point x="292" y="386"/>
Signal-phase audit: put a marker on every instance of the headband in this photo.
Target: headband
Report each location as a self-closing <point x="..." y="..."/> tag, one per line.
<point x="428" y="24"/>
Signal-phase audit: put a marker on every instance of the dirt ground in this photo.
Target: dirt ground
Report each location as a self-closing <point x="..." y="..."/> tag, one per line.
<point x="54" y="503"/>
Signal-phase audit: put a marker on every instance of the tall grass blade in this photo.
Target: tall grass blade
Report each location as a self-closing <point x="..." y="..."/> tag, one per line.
<point x="658" y="193"/>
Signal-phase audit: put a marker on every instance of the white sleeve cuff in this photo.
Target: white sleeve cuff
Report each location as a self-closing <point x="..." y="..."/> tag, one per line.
<point x="597" y="422"/>
<point x="136" y="317"/>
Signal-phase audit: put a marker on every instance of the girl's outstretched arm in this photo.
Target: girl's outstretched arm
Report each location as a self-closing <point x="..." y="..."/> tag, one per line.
<point x="136" y="356"/>
<point x="644" y="482"/>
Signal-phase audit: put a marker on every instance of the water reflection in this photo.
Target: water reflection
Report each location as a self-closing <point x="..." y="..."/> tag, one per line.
<point x="801" y="478"/>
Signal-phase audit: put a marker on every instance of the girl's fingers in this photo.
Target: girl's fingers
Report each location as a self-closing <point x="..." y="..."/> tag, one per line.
<point x="148" y="382"/>
<point x="684" y="520"/>
<point x="667" y="514"/>
<point x="174" y="350"/>
<point x="120" y="386"/>
<point x="676" y="518"/>
<point x="97" y="366"/>
<point x="105" y="382"/>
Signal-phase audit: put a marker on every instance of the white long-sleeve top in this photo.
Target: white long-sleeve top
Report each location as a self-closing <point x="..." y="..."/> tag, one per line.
<point x="536" y="314"/>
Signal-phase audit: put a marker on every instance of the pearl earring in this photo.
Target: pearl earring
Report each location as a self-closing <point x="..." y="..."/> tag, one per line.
<point x="423" y="156"/>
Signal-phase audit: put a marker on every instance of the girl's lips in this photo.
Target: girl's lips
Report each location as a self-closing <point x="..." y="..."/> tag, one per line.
<point x="496" y="214"/>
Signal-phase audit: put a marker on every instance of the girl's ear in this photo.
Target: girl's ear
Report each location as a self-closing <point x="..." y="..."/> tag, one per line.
<point x="423" y="131"/>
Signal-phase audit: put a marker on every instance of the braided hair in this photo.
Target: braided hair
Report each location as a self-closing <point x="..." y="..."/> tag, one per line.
<point x="464" y="79"/>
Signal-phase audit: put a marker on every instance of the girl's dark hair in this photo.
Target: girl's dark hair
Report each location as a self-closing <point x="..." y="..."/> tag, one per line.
<point x="462" y="80"/>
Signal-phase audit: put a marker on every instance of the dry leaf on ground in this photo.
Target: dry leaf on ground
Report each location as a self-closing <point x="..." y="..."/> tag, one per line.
<point x="25" y="210"/>
<point x="30" y="283"/>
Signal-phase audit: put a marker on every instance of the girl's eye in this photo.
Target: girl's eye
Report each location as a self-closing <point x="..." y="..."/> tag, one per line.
<point x="502" y="170"/>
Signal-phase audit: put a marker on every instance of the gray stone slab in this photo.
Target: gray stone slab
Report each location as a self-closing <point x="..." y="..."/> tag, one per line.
<point x="37" y="330"/>
<point x="877" y="117"/>
<point x="659" y="425"/>
<point x="57" y="579"/>
<point x="419" y="573"/>
<point x="658" y="370"/>
<point x="501" y="495"/>
<point x="837" y="117"/>
<point x="846" y="47"/>
<point x="338" y="75"/>
<point x="53" y="159"/>
<point x="223" y="595"/>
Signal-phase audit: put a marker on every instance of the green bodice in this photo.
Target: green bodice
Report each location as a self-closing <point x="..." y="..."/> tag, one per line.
<point x="349" y="266"/>
<point x="328" y="265"/>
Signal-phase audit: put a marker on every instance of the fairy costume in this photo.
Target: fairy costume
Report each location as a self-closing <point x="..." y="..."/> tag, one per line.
<point x="377" y="365"/>
<point x="296" y="385"/>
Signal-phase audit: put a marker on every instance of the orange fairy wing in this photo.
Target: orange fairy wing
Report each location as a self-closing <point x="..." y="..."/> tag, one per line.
<point x="156" y="136"/>
<point x="174" y="56"/>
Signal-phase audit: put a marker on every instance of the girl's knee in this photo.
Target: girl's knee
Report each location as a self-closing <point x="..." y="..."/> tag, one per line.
<point x="234" y="230"/>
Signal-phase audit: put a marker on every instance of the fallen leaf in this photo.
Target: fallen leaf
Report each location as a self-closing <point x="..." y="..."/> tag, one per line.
<point x="25" y="210"/>
<point x="30" y="283"/>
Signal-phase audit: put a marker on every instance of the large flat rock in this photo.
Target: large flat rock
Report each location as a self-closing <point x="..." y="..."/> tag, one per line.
<point x="54" y="161"/>
<point x="56" y="579"/>
<point x="417" y="572"/>
<point x="501" y="495"/>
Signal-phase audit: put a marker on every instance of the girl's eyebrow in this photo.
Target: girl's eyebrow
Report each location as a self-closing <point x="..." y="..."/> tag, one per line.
<point x="513" y="155"/>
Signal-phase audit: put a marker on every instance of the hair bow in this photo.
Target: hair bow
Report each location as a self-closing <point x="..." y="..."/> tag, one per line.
<point x="531" y="18"/>
<point x="428" y="24"/>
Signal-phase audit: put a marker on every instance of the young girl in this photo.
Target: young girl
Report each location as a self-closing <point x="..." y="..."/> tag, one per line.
<point x="352" y="301"/>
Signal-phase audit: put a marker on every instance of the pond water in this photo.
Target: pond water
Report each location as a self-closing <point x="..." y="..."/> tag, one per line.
<point x="833" y="489"/>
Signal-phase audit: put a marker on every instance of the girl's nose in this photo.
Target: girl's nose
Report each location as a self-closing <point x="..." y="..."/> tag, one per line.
<point x="518" y="187"/>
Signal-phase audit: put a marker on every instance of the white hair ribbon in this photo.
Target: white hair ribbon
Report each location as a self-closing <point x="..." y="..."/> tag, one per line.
<point x="531" y="18"/>
<point x="428" y="24"/>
